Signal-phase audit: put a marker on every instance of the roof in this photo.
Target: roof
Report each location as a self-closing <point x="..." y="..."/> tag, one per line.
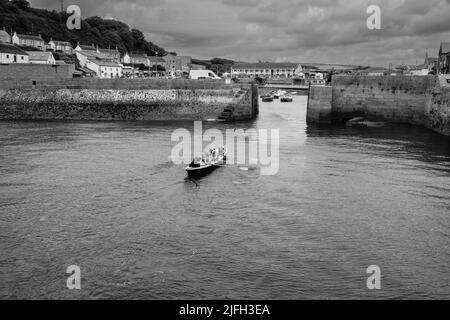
<point x="4" y="33"/>
<point x="86" y="70"/>
<point x="266" y="65"/>
<point x="89" y="54"/>
<point x="39" y="55"/>
<point x="30" y="37"/>
<point x="138" y="55"/>
<point x="374" y="70"/>
<point x="445" y="47"/>
<point x="106" y="63"/>
<point x="418" y="67"/>
<point x="156" y="59"/>
<point x="8" y="48"/>
<point x="112" y="51"/>
<point x="88" y="47"/>
<point x="61" y="43"/>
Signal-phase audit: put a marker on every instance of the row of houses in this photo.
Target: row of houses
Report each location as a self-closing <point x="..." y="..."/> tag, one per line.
<point x="266" y="70"/>
<point x="13" y="54"/>
<point x="108" y="63"/>
<point x="95" y="61"/>
<point x="37" y="42"/>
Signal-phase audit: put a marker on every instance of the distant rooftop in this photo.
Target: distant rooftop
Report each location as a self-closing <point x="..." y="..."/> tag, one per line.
<point x="8" y="48"/>
<point x="114" y="51"/>
<point x="39" y="55"/>
<point x="138" y="55"/>
<point x="104" y="63"/>
<point x="445" y="47"/>
<point x="88" y="47"/>
<point x="61" y="43"/>
<point x="30" y="37"/>
<point x="4" y="33"/>
<point x="266" y="65"/>
<point x="155" y="59"/>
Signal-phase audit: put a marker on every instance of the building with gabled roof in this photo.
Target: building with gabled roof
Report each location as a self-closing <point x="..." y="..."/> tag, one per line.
<point x="86" y="48"/>
<point x="40" y="57"/>
<point x="112" y="54"/>
<point x="60" y="46"/>
<point x="105" y="69"/>
<point x="26" y="40"/>
<point x="136" y="58"/>
<point x="444" y="58"/>
<point x="12" y="54"/>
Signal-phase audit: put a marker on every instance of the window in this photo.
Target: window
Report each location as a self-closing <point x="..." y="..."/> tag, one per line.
<point x="7" y="56"/>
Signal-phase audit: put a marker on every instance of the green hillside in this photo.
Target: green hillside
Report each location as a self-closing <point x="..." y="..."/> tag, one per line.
<point x="20" y="17"/>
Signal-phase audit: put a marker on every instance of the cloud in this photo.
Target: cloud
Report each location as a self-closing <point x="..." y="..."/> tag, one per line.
<point x="289" y="30"/>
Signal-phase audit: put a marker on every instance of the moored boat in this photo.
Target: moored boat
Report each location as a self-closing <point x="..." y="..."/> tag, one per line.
<point x="278" y="94"/>
<point x="286" y="98"/>
<point x="267" y="99"/>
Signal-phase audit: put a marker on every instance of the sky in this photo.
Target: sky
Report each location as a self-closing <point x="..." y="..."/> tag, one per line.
<point x="321" y="31"/>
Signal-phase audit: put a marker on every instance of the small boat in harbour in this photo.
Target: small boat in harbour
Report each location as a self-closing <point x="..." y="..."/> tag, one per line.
<point x="199" y="167"/>
<point x="286" y="98"/>
<point x="267" y="98"/>
<point x="278" y="94"/>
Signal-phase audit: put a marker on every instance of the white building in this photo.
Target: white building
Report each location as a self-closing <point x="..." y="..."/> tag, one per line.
<point x="12" y="54"/>
<point x="133" y="58"/>
<point x="40" y="57"/>
<point x="84" y="56"/>
<point x="110" y="54"/>
<point x="266" y="69"/>
<point x="86" y="48"/>
<point x="105" y="69"/>
<point x="28" y="41"/>
<point x="60" y="46"/>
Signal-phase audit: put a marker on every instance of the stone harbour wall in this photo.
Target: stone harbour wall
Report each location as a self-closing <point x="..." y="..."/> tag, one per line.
<point x="437" y="110"/>
<point x="149" y="100"/>
<point x="417" y="100"/>
<point x="319" y="104"/>
<point x="386" y="98"/>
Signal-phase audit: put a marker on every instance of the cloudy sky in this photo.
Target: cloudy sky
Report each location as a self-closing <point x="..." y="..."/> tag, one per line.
<point x="327" y="31"/>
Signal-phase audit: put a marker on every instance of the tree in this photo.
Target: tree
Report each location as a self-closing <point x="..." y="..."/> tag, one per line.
<point x="21" y="4"/>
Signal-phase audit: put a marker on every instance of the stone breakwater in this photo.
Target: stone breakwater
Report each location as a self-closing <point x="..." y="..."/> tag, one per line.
<point x="127" y="104"/>
<point x="418" y="100"/>
<point x="437" y="110"/>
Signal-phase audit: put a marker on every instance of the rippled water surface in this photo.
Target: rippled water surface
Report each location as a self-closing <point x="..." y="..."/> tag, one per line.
<point x="105" y="197"/>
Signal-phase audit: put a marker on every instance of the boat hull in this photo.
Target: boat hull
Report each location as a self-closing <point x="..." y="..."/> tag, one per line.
<point x="200" y="172"/>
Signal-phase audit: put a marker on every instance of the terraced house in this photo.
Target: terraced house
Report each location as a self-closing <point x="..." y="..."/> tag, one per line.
<point x="12" y="54"/>
<point x="28" y="41"/>
<point x="266" y="69"/>
<point x="39" y="57"/>
<point x="105" y="69"/>
<point x="136" y="58"/>
<point x="60" y="46"/>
